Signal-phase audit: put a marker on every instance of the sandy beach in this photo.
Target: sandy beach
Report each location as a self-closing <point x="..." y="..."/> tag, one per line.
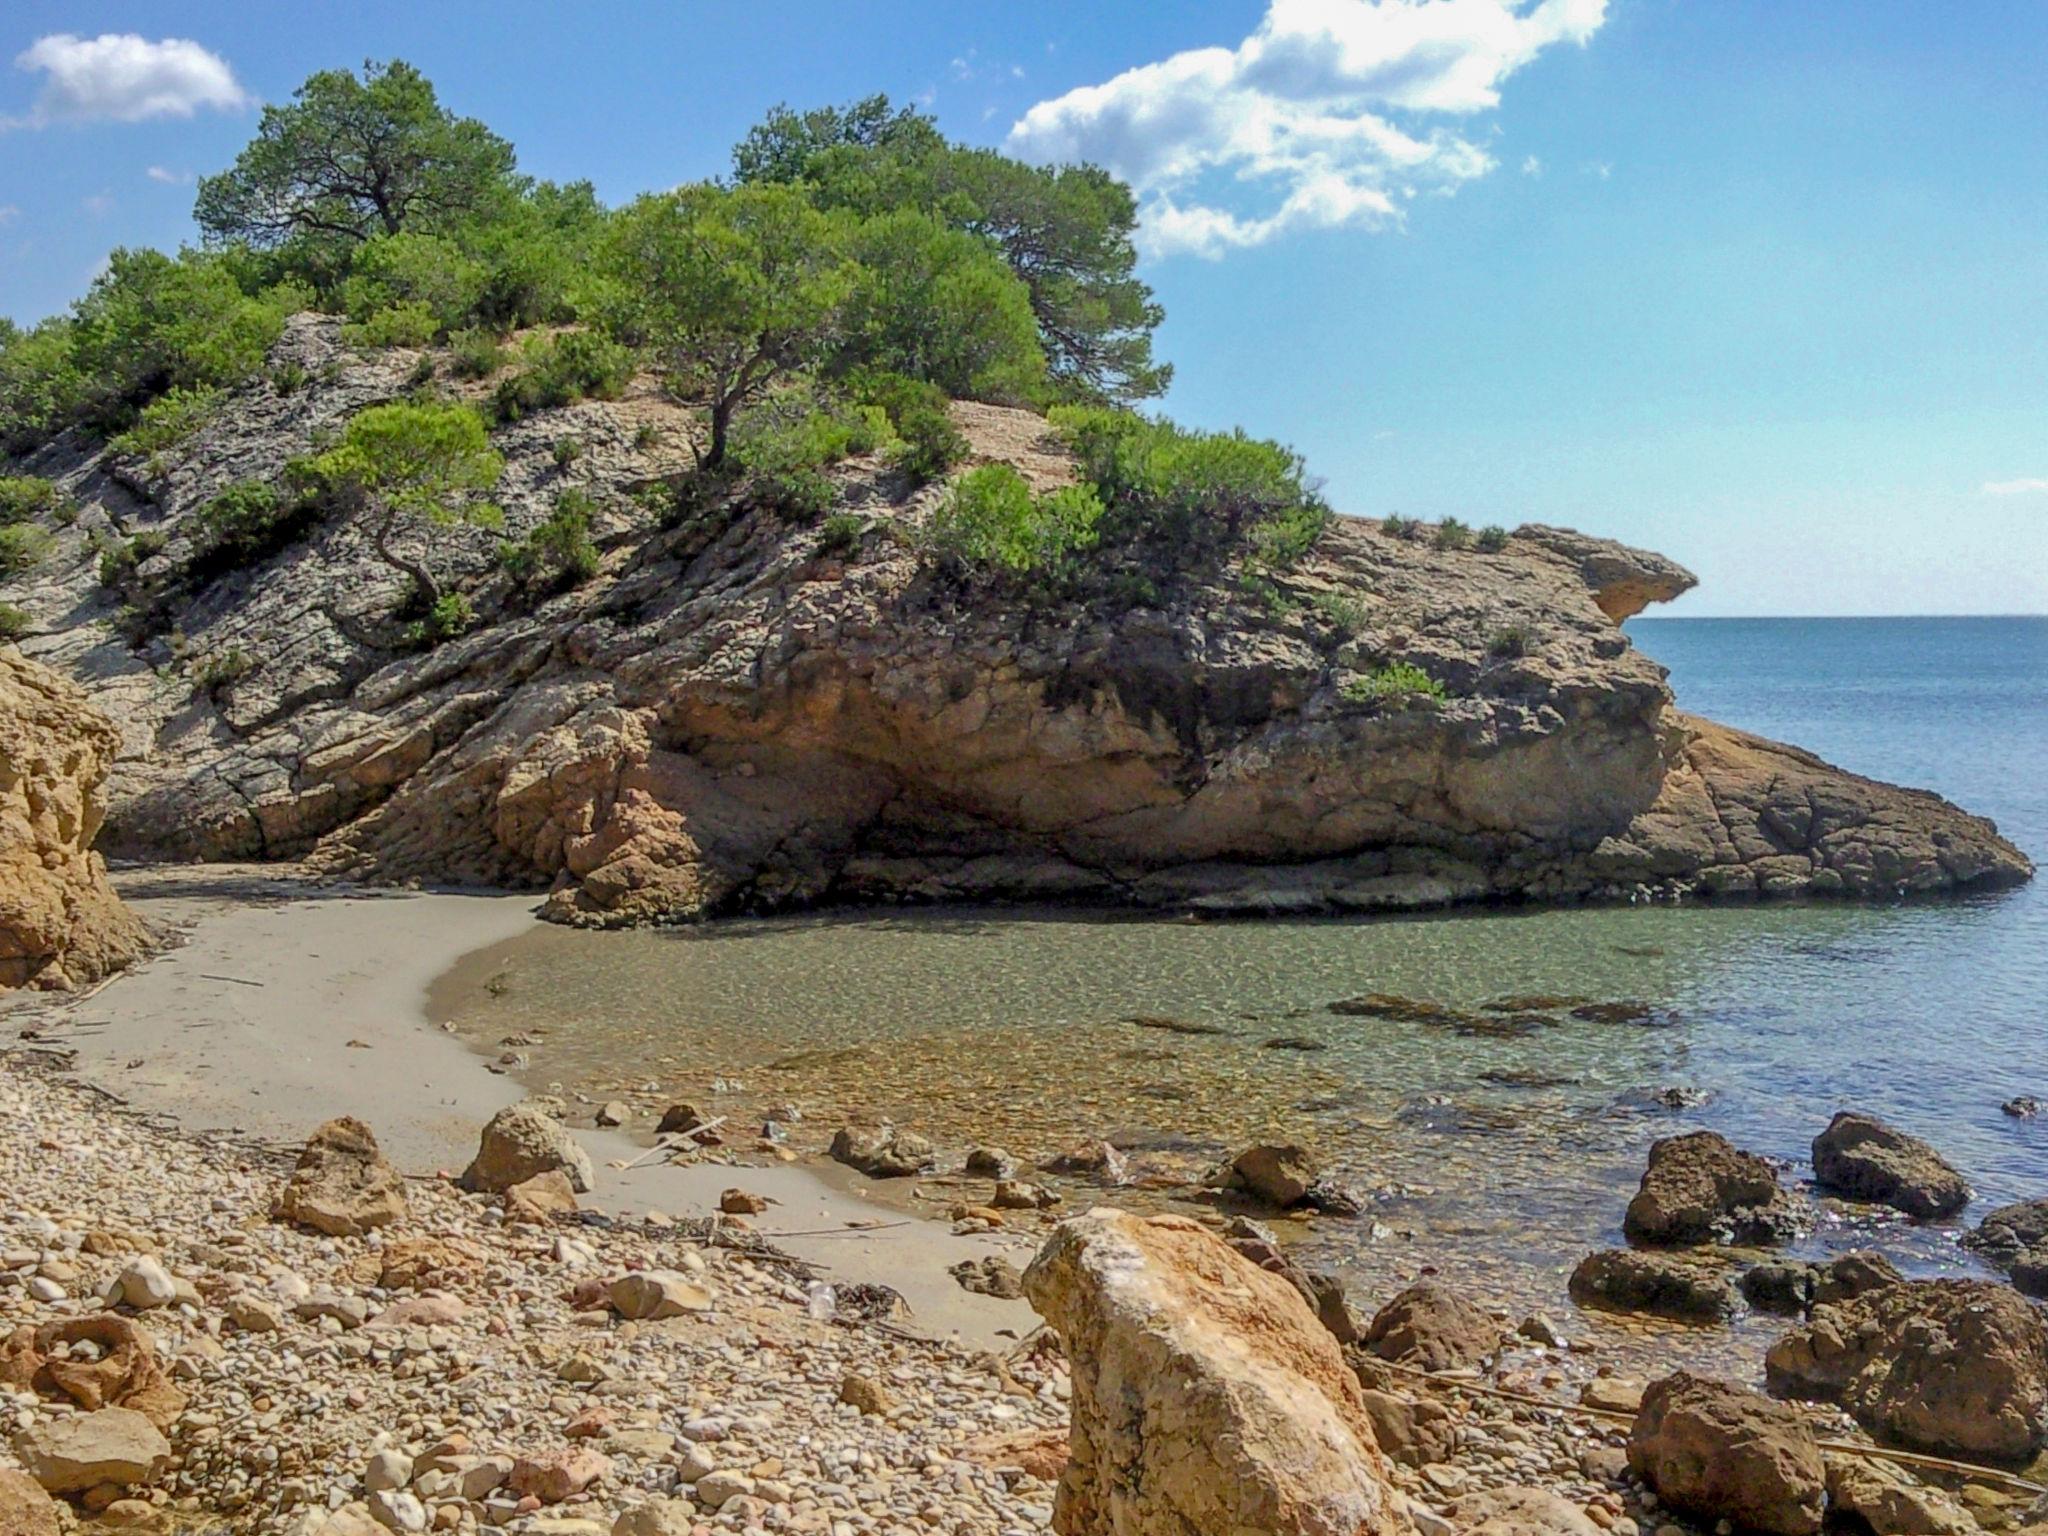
<point x="277" y="1003"/>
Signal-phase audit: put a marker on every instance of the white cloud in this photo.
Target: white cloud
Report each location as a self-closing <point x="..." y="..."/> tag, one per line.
<point x="1294" y="128"/>
<point x="1532" y="166"/>
<point x="1603" y="170"/>
<point x="120" y="77"/>
<point x="167" y="176"/>
<point x="2037" y="486"/>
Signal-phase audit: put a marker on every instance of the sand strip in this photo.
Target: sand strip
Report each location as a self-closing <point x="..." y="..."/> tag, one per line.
<point x="288" y="1003"/>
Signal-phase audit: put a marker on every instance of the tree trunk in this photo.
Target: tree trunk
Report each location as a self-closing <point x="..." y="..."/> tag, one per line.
<point x="423" y="579"/>
<point x="721" y="425"/>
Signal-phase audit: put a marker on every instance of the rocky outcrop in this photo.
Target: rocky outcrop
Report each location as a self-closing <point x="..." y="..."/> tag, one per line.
<point x="1206" y="1397"/>
<point x="1862" y="1157"/>
<point x="61" y="925"/>
<point x="2015" y="1238"/>
<point x="343" y="1185"/>
<point x="1956" y="1367"/>
<point x="1724" y="1453"/>
<point x="740" y="713"/>
<point x="1701" y="1189"/>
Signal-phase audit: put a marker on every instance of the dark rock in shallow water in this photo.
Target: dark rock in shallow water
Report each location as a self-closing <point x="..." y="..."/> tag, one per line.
<point x="1699" y="1188"/>
<point x="1292" y="1043"/>
<point x="2025" y="1107"/>
<point x="1668" y="1098"/>
<point x="1399" y="1010"/>
<point x="1785" y="1289"/>
<point x="1527" y="1077"/>
<point x="1630" y="1012"/>
<point x="1854" y="1274"/>
<point x="1866" y="1159"/>
<point x="1533" y="1002"/>
<point x="1664" y="1285"/>
<point x="2015" y="1239"/>
<point x="1174" y="1026"/>
<point x="1433" y="1328"/>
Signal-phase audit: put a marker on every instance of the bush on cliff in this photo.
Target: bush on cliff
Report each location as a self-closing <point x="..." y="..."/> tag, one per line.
<point x="992" y="521"/>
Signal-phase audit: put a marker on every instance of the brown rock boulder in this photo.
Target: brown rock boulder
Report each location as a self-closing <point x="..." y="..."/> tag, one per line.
<point x="1519" y="1512"/>
<point x="1955" y="1367"/>
<point x="342" y="1185"/>
<point x="1664" y="1285"/>
<point x="1432" y="1328"/>
<point x="2015" y="1239"/>
<point x="1414" y="1431"/>
<point x="1862" y="1157"/>
<point x="1278" y="1176"/>
<point x="1722" y="1452"/>
<point x="61" y="925"/>
<point x="1890" y="1503"/>
<point x="884" y="1152"/>
<point x="521" y="1141"/>
<point x="1206" y="1397"/>
<point x="117" y="1368"/>
<point x="25" y="1510"/>
<point x="114" y="1445"/>
<point x="1699" y="1188"/>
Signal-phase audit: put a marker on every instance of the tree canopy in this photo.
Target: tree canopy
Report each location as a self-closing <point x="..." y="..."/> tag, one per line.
<point x="349" y="158"/>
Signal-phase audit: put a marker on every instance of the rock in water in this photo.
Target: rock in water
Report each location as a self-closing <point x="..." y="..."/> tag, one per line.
<point x="883" y="1152"/>
<point x="1279" y="1176"/>
<point x="1701" y="1189"/>
<point x="2015" y="1238"/>
<point x="1721" y="1452"/>
<point x="61" y="925"/>
<point x="1862" y="1157"/>
<point x="114" y="1445"/>
<point x="521" y="1141"/>
<point x="1432" y="1328"/>
<point x="1206" y="1397"/>
<point x="1664" y="1285"/>
<point x="342" y="1185"/>
<point x="1955" y="1367"/>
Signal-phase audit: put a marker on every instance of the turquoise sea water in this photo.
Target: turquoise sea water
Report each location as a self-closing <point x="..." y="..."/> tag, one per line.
<point x="1501" y="1158"/>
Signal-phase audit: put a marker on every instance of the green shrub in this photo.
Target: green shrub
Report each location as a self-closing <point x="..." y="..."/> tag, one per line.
<point x="423" y="274"/>
<point x="166" y="421"/>
<point x="560" y="370"/>
<point x="1397" y="682"/>
<point x="449" y="615"/>
<point x="245" y="525"/>
<point x="1453" y="534"/>
<point x="842" y="533"/>
<point x="1509" y="642"/>
<point x="42" y="390"/>
<point x="1343" y="611"/>
<point x="288" y="378"/>
<point x="647" y="435"/>
<point x="559" y="552"/>
<point x="787" y="442"/>
<point x="930" y="444"/>
<point x="1194" y="491"/>
<point x="119" y="558"/>
<point x="24" y="546"/>
<point x="402" y="325"/>
<point x="1492" y="538"/>
<point x="211" y="674"/>
<point x="992" y="520"/>
<point x="25" y="496"/>
<point x="14" y="622"/>
<point x="567" y="451"/>
<point x="475" y="354"/>
<point x="1395" y="526"/>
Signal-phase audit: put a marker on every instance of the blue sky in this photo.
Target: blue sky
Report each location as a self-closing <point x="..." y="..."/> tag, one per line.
<point x="1763" y="286"/>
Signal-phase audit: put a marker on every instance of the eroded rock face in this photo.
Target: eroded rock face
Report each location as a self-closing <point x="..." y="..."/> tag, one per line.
<point x="1206" y="1395"/>
<point x="732" y="715"/>
<point x="1956" y="1367"/>
<point x="61" y="925"/>
<point x="1701" y="1189"/>
<point x="1722" y="1452"/>
<point x="1866" y="1159"/>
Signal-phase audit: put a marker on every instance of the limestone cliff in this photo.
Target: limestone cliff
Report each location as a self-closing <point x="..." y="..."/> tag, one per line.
<point x="741" y="713"/>
<point x="61" y="925"/>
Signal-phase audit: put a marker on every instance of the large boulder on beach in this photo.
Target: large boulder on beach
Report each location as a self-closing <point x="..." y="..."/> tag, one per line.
<point x="61" y="925"/>
<point x="884" y="1152"/>
<point x="113" y="1445"/>
<point x="1518" y="1511"/>
<point x="2015" y="1239"/>
<point x="25" y="1510"/>
<point x="1664" y="1285"/>
<point x="1862" y="1157"/>
<point x="1955" y="1367"/>
<point x="1206" y="1396"/>
<point x="523" y="1140"/>
<point x="101" y="1360"/>
<point x="1432" y="1328"/>
<point x="1273" y="1174"/>
<point x="1722" y="1452"/>
<point x="1700" y="1188"/>
<point x="343" y="1185"/>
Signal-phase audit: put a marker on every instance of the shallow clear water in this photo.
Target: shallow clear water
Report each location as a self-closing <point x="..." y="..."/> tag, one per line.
<point x="1500" y="1157"/>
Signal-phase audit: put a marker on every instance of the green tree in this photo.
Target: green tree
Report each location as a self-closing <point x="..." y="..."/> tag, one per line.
<point x="420" y="464"/>
<point x="1066" y="232"/>
<point x="732" y="290"/>
<point x="349" y="158"/>
<point x="427" y="270"/>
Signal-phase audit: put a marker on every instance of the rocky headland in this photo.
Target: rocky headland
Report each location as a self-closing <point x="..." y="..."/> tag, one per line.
<point x="746" y="710"/>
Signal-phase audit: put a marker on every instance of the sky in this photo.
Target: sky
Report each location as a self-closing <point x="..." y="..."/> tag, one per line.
<point x="1761" y="286"/>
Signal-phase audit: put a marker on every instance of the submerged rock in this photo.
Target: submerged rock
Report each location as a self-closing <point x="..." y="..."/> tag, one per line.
<point x="1866" y="1159"/>
<point x="1955" y="1367"/>
<point x="1723" y="1453"/>
<point x="1701" y="1189"/>
<point x="1205" y="1395"/>
<point x="1664" y="1285"/>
